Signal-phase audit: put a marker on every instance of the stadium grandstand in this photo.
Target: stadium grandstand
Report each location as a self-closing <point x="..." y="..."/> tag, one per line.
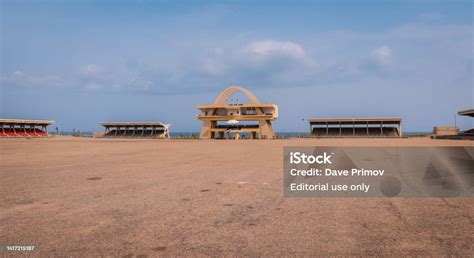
<point x="459" y="135"/>
<point x="136" y="129"/>
<point x="227" y="120"/>
<point x="445" y="130"/>
<point x="24" y="128"/>
<point x="355" y="127"/>
<point x="470" y="113"/>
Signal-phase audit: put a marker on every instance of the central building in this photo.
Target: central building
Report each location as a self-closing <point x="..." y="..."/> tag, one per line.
<point x="227" y="120"/>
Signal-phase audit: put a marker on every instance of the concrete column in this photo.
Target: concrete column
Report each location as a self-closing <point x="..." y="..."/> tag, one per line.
<point x="266" y="129"/>
<point x="353" y="128"/>
<point x="205" y="130"/>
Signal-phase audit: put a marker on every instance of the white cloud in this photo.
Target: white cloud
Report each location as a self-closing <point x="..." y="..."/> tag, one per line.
<point x="410" y="51"/>
<point x="382" y="55"/>
<point x="212" y="67"/>
<point x="22" y="79"/>
<point x="92" y="86"/>
<point x="92" y="70"/>
<point x="268" y="48"/>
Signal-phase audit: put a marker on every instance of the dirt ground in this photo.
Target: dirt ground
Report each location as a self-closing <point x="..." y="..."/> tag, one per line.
<point x="89" y="197"/>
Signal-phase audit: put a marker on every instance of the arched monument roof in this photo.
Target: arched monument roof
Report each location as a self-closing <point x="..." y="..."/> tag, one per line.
<point x="224" y="95"/>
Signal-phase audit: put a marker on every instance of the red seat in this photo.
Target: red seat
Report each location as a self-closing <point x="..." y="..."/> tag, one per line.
<point x="30" y="132"/>
<point x="21" y="133"/>
<point x="10" y="133"/>
<point x="41" y="133"/>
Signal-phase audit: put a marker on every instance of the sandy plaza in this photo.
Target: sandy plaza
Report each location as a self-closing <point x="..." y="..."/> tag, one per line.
<point x="120" y="197"/>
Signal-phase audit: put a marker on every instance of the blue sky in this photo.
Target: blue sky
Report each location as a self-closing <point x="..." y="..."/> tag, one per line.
<point x="82" y="62"/>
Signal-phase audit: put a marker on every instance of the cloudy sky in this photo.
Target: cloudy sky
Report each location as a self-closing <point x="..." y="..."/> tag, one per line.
<point x="82" y="62"/>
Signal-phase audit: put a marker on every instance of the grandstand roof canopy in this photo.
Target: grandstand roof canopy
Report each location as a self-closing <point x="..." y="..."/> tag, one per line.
<point x="372" y="120"/>
<point x="109" y="124"/>
<point x="30" y="122"/>
<point x="468" y="112"/>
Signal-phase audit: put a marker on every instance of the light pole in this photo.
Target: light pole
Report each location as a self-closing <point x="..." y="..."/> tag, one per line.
<point x="303" y="126"/>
